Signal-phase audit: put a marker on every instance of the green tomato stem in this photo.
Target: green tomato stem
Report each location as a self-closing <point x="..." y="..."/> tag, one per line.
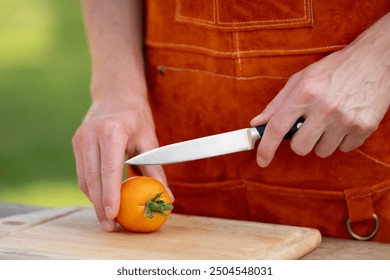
<point x="156" y="205"/>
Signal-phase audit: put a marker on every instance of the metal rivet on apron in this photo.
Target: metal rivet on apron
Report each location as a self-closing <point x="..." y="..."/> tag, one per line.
<point x="364" y="238"/>
<point x="161" y="70"/>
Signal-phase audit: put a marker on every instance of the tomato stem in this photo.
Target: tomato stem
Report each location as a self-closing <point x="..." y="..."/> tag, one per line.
<point x="156" y="205"/>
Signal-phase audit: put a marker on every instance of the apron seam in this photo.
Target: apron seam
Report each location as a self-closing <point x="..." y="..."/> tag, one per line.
<point x="373" y="159"/>
<point x="236" y="44"/>
<point x="235" y="54"/>
<point x="243" y="78"/>
<point x="294" y="20"/>
<point x="234" y="28"/>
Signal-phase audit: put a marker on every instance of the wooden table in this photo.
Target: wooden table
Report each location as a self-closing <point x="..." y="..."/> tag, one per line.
<point x="330" y="248"/>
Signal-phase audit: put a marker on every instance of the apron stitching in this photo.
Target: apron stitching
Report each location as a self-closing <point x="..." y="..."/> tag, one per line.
<point x="381" y="190"/>
<point x="223" y="75"/>
<point x="301" y="19"/>
<point x="239" y="72"/>
<point x="373" y="159"/>
<point x="227" y="53"/>
<point x="215" y="11"/>
<point x="253" y="26"/>
<point x="360" y="196"/>
<point x="179" y="16"/>
<point x="216" y="18"/>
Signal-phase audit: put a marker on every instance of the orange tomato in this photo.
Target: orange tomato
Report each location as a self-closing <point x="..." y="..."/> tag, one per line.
<point x="144" y="205"/>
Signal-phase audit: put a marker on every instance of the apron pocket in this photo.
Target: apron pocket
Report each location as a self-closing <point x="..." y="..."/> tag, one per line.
<point x="232" y="15"/>
<point x="327" y="211"/>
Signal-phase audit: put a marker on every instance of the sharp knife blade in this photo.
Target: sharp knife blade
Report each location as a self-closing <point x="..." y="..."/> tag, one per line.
<point x="205" y="147"/>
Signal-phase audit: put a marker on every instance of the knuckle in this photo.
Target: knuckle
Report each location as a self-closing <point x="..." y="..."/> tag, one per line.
<point x="308" y="92"/>
<point x="92" y="178"/>
<point x="345" y="148"/>
<point x="275" y="128"/>
<point x="322" y="153"/>
<point x="351" y="143"/>
<point x="83" y="188"/>
<point x="109" y="167"/>
<point x="348" y="120"/>
<point x="273" y="105"/>
<point x="330" y="108"/>
<point x="359" y="125"/>
<point x="81" y="137"/>
<point x="77" y="137"/>
<point x="108" y="127"/>
<point x="299" y="149"/>
<point x="365" y="126"/>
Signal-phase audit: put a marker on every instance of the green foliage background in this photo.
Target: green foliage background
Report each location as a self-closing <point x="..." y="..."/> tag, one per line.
<point x="44" y="94"/>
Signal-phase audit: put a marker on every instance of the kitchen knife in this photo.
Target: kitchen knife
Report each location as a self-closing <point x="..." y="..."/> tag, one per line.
<point x="205" y="147"/>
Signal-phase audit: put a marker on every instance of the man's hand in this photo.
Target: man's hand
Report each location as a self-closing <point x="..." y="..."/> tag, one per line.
<point x="119" y="120"/>
<point x="108" y="131"/>
<point x="343" y="98"/>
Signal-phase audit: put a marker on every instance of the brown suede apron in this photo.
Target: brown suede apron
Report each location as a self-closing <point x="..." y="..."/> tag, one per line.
<point x="215" y="64"/>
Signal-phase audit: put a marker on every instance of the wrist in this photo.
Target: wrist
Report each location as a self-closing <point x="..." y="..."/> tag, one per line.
<point x="119" y="84"/>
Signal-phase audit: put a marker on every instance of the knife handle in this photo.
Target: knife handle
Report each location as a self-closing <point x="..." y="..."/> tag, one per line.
<point x="260" y="129"/>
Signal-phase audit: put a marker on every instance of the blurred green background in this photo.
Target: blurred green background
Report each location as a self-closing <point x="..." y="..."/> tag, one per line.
<point x="44" y="94"/>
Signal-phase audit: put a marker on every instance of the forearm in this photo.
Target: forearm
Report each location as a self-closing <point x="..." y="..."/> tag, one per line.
<point x="114" y="32"/>
<point x="372" y="50"/>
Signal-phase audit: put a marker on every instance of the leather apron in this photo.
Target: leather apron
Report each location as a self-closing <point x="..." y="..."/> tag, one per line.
<point x="212" y="65"/>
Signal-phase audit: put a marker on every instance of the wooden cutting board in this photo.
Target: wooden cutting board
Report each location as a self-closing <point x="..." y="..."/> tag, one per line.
<point x="74" y="233"/>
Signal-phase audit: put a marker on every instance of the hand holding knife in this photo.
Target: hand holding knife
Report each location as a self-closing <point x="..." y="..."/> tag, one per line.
<point x="209" y="146"/>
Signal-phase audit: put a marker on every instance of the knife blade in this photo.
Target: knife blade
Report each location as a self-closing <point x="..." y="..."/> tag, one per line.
<point x="206" y="147"/>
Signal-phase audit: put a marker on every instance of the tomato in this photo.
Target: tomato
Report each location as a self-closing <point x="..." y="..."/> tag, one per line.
<point x="144" y="204"/>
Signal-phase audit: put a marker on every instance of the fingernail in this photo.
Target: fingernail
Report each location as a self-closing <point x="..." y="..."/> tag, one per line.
<point x="109" y="212"/>
<point x="261" y="162"/>
<point x="107" y="226"/>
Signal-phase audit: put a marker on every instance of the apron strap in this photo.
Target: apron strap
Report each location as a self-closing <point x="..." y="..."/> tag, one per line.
<point x="361" y="213"/>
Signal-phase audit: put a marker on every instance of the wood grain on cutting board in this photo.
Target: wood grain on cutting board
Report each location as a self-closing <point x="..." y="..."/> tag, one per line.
<point x="74" y="233"/>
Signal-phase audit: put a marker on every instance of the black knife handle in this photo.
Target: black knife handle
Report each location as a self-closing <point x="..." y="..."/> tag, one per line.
<point x="290" y="133"/>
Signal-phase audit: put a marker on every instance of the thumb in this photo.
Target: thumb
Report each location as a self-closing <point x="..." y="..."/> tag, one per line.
<point x="267" y="113"/>
<point x="272" y="107"/>
<point x="157" y="172"/>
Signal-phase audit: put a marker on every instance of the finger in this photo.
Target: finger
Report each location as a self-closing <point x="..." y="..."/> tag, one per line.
<point x="283" y="111"/>
<point x="307" y="136"/>
<point x="79" y="164"/>
<point x="112" y="143"/>
<point x="358" y="132"/>
<point x="329" y="141"/>
<point x="260" y="119"/>
<point x="276" y="129"/>
<point x="351" y="142"/>
<point x="269" y="110"/>
<point x="275" y="104"/>
<point x="91" y="159"/>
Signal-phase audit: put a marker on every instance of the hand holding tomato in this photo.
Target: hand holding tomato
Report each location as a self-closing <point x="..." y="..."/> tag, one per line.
<point x="110" y="130"/>
<point x="119" y="120"/>
<point x="144" y="204"/>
